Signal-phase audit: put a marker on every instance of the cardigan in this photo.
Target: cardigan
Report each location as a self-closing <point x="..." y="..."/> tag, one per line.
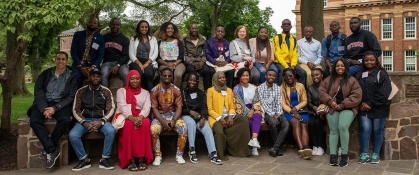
<point x="143" y="103"/>
<point x="211" y="50"/>
<point x="154" y="50"/>
<point x="241" y="108"/>
<point x="215" y="104"/>
<point x="286" y="98"/>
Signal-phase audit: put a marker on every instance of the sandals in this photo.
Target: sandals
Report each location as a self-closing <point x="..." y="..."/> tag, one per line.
<point x="132" y="167"/>
<point x="142" y="166"/>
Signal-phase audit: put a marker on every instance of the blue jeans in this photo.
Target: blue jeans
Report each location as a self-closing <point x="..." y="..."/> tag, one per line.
<point x="106" y="69"/>
<point x="366" y="125"/>
<point x="262" y="71"/>
<point x="79" y="130"/>
<point x="353" y="70"/>
<point x="206" y="131"/>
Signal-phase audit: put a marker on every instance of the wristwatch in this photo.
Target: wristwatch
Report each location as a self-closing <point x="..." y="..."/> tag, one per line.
<point x="103" y="123"/>
<point x="118" y="65"/>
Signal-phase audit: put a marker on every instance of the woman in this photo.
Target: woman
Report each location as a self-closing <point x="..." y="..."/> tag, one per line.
<point x="264" y="54"/>
<point x="317" y="120"/>
<point x="134" y="143"/>
<point x="241" y="51"/>
<point x="248" y="104"/>
<point x="342" y="94"/>
<point x="171" y="53"/>
<point x="195" y="115"/>
<point x="143" y="52"/>
<point x="375" y="106"/>
<point x="294" y="102"/>
<point x="231" y="131"/>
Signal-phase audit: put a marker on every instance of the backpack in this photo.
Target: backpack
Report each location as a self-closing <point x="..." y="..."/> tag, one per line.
<point x="280" y="41"/>
<point x="329" y="40"/>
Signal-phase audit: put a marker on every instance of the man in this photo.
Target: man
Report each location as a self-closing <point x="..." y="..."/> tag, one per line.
<point x="357" y="44"/>
<point x="87" y="50"/>
<point x="93" y="107"/>
<point x="271" y="100"/>
<point x="309" y="53"/>
<point x="285" y="47"/>
<point x="333" y="46"/>
<point x="116" y="53"/>
<point x="194" y="44"/>
<point x="166" y="102"/>
<point x="54" y="93"/>
<point x="217" y="53"/>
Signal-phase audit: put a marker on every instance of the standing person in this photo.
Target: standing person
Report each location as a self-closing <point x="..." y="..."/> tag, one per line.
<point x="194" y="44"/>
<point x="359" y="43"/>
<point x="247" y="103"/>
<point x="317" y="120"/>
<point x="271" y="101"/>
<point x="244" y="53"/>
<point x="54" y="93"/>
<point x="195" y="115"/>
<point x="134" y="144"/>
<point x="375" y="106"/>
<point x="116" y="53"/>
<point x="264" y="54"/>
<point x="87" y="50"/>
<point x="309" y="53"/>
<point x="286" y="55"/>
<point x="294" y="104"/>
<point x="231" y="131"/>
<point x="93" y="107"/>
<point x="333" y="46"/>
<point x="171" y="51"/>
<point x="143" y="51"/>
<point x="166" y="103"/>
<point x="218" y="54"/>
<point x="342" y="93"/>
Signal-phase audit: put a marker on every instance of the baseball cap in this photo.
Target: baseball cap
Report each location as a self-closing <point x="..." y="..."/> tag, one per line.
<point x="95" y="71"/>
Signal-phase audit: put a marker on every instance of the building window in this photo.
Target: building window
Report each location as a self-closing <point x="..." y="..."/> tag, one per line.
<point x="388" y="60"/>
<point x="387" y="28"/>
<point x="410" y="60"/>
<point x="324" y="3"/>
<point x="410" y="27"/>
<point x="365" y="25"/>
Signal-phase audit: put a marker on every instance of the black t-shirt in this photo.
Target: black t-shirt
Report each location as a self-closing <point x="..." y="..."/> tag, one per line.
<point x="116" y="48"/>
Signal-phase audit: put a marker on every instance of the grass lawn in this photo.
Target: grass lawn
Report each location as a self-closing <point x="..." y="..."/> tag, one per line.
<point x="19" y="104"/>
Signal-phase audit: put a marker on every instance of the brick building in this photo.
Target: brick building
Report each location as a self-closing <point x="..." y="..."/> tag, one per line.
<point x="394" y="23"/>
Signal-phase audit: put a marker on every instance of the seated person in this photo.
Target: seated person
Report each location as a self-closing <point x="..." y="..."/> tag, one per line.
<point x="93" y="107"/>
<point x="248" y="104"/>
<point x="294" y="103"/>
<point x="195" y="115"/>
<point x="134" y="144"/>
<point x="309" y="53"/>
<point x="166" y="102"/>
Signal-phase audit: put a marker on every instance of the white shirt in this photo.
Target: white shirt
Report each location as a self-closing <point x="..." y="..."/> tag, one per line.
<point x="248" y="94"/>
<point x="309" y="51"/>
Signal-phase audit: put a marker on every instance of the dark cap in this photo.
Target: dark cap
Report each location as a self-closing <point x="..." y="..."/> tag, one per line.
<point x="95" y="71"/>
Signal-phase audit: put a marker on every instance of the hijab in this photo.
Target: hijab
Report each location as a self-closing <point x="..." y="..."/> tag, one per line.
<point x="131" y="92"/>
<point x="215" y="83"/>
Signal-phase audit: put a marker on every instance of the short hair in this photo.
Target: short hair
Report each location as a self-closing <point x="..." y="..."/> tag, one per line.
<point x="355" y="17"/>
<point x="270" y="70"/>
<point x="62" y="52"/>
<point x="308" y="27"/>
<point x="334" y="21"/>
<point x="318" y="69"/>
<point x="90" y="18"/>
<point x="113" y="19"/>
<point x="219" y="25"/>
<point x="242" y="70"/>
<point x="166" y="69"/>
<point x="190" y="25"/>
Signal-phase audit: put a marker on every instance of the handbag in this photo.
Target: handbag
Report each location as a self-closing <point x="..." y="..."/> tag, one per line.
<point x="239" y="65"/>
<point x="394" y="88"/>
<point x="118" y="120"/>
<point x="225" y="68"/>
<point x="325" y="108"/>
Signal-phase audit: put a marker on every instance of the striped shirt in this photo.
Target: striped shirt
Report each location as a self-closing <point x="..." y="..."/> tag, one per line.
<point x="271" y="99"/>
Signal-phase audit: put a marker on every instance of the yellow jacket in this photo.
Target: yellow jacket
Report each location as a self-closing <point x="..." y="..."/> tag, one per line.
<point x="302" y="97"/>
<point x="283" y="54"/>
<point x="216" y="102"/>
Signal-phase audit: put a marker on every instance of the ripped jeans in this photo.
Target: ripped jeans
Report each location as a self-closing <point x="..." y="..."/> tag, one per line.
<point x="262" y="70"/>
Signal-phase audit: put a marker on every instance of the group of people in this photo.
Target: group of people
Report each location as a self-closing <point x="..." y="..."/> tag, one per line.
<point x="272" y="88"/>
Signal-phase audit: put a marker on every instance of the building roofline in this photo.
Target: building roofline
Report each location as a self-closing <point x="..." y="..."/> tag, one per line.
<point x="376" y="3"/>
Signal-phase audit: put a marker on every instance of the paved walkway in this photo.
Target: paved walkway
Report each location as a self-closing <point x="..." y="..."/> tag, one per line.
<point x="290" y="163"/>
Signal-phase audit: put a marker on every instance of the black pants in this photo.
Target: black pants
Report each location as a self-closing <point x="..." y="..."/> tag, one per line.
<point x="37" y="124"/>
<point x="146" y="77"/>
<point x="204" y="72"/>
<point x="316" y="130"/>
<point x="278" y="135"/>
<point x="229" y="76"/>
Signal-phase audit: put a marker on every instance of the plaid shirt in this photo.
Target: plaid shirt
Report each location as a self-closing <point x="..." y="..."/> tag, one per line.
<point x="271" y="99"/>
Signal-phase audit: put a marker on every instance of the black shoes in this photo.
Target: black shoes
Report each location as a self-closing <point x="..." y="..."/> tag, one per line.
<point x="333" y="160"/>
<point x="272" y="152"/>
<point x="344" y="159"/>
<point x="52" y="158"/>
<point x="192" y="155"/>
<point x="106" y="164"/>
<point x="83" y="164"/>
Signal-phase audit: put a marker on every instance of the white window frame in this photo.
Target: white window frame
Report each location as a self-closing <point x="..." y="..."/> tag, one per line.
<point x="324" y="3"/>
<point x="387" y="60"/>
<point x="410" y="55"/>
<point x="391" y="28"/>
<point x="405" y="27"/>
<point x="363" y="25"/>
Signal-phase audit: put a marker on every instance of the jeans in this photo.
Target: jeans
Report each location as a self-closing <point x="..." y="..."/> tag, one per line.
<point x="262" y="71"/>
<point x="206" y="131"/>
<point x="278" y="136"/>
<point x="353" y="70"/>
<point x="106" y="69"/>
<point x="79" y="130"/>
<point x="301" y="74"/>
<point x="366" y="125"/>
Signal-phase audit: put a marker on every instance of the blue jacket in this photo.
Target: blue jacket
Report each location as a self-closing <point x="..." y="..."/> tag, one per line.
<point x="211" y="50"/>
<point x="79" y="44"/>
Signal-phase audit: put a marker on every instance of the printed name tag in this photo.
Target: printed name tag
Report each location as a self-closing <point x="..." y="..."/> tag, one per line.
<point x="224" y="93"/>
<point x="95" y="46"/>
<point x="227" y="53"/>
<point x="341" y="48"/>
<point x="193" y="95"/>
<point x="364" y="74"/>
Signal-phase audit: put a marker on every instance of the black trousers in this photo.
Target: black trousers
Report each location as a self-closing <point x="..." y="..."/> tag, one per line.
<point x="278" y="135"/>
<point x="204" y="72"/>
<point x="147" y="76"/>
<point x="316" y="130"/>
<point x="37" y="124"/>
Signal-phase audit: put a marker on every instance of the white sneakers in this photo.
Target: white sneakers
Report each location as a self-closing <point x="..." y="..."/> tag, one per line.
<point x="254" y="143"/>
<point x="317" y="151"/>
<point x="180" y="160"/>
<point x="314" y="151"/>
<point x="157" y="161"/>
<point x="255" y="152"/>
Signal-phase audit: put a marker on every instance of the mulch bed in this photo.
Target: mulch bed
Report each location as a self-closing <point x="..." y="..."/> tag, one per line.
<point x="8" y="150"/>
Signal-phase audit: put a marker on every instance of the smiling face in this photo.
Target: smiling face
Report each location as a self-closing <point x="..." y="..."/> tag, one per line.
<point x="220" y="33"/>
<point x="115" y="25"/>
<point x="95" y="79"/>
<point x="221" y="79"/>
<point x="340" y="67"/>
<point x="289" y="77"/>
<point x="170" y="30"/>
<point x="61" y="61"/>
<point x="193" y="30"/>
<point x="143" y="28"/>
<point x="245" y="77"/>
<point x="134" y="81"/>
<point x="316" y="76"/>
<point x="370" y="61"/>
<point x="242" y="33"/>
<point x="192" y="82"/>
<point x="263" y="34"/>
<point x="270" y="76"/>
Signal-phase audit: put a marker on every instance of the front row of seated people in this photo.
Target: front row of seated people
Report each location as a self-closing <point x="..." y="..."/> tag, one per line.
<point x="229" y="119"/>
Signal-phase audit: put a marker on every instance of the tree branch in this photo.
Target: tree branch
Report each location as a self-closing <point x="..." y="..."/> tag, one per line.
<point x="146" y="5"/>
<point x="177" y="14"/>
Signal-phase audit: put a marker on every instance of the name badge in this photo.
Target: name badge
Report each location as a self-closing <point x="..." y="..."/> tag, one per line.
<point x="95" y="46"/>
<point x="364" y="74"/>
<point x="224" y="93"/>
<point x="193" y="95"/>
<point x="247" y="51"/>
<point x="341" y="48"/>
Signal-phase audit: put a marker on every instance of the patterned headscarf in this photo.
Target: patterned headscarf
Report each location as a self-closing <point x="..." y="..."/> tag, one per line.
<point x="215" y="83"/>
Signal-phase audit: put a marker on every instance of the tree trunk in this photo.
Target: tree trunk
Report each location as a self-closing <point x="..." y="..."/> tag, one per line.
<point x="214" y="21"/>
<point x="312" y="15"/>
<point x="33" y="51"/>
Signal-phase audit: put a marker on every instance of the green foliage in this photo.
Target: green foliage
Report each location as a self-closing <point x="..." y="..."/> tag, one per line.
<point x="20" y="103"/>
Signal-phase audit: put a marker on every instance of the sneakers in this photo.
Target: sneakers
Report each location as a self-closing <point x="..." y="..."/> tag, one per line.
<point x="344" y="159"/>
<point x="179" y="160"/>
<point x="314" y="151"/>
<point x="375" y="159"/>
<point x="216" y="160"/>
<point x="272" y="152"/>
<point x="333" y="160"/>
<point x="255" y="152"/>
<point x="254" y="143"/>
<point x="106" y="164"/>
<point x="52" y="158"/>
<point x="307" y="153"/>
<point x="279" y="152"/>
<point x="320" y="151"/>
<point x="43" y="155"/>
<point x="192" y="157"/>
<point x="364" y="158"/>
<point x="157" y="161"/>
<point x="83" y="164"/>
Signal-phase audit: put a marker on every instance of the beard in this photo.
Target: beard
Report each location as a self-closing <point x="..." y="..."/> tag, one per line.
<point x="92" y="29"/>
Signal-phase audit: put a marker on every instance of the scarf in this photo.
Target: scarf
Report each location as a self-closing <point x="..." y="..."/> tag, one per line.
<point x="215" y="83"/>
<point x="131" y="92"/>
